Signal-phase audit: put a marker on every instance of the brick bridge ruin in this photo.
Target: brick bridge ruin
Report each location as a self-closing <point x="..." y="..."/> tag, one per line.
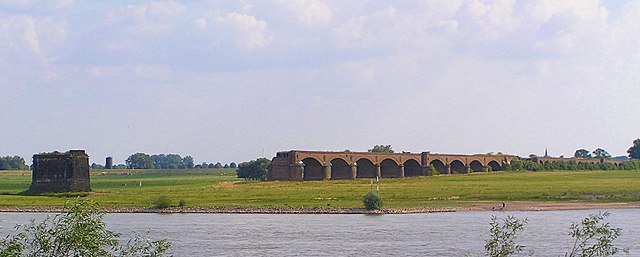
<point x="315" y="165"/>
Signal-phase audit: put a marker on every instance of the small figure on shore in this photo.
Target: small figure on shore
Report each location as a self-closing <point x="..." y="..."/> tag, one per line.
<point x="503" y="205"/>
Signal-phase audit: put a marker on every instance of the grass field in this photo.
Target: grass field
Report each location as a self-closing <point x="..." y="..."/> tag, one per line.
<point x="213" y="188"/>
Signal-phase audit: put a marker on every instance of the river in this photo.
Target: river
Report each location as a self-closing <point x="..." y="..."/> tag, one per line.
<point x="429" y="234"/>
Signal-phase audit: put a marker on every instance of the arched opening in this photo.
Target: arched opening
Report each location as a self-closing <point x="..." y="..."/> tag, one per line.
<point x="340" y="169"/>
<point x="476" y="166"/>
<point x="365" y="169"/>
<point x="312" y="169"/>
<point x="411" y="168"/>
<point x="389" y="169"/>
<point x="439" y="166"/>
<point x="495" y="166"/>
<point x="457" y="167"/>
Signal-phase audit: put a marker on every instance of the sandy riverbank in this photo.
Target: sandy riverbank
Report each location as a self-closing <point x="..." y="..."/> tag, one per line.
<point x="478" y="206"/>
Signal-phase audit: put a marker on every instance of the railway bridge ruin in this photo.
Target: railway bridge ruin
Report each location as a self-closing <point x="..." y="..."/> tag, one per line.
<point x="317" y="165"/>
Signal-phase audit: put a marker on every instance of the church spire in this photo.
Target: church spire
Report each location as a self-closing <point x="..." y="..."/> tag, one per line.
<point x="546" y="153"/>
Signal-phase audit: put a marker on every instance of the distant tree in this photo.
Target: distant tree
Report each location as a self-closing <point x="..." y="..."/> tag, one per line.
<point x="634" y="151"/>
<point x="211" y="166"/>
<point x="381" y="149"/>
<point x="601" y="154"/>
<point x="226" y="166"/>
<point x="582" y="153"/>
<point x="347" y="151"/>
<point x="119" y="166"/>
<point x="174" y="161"/>
<point x="218" y="165"/>
<point x="204" y="165"/>
<point x="256" y="169"/>
<point x="187" y="161"/>
<point x="198" y="166"/>
<point x="139" y="161"/>
<point x="517" y="165"/>
<point x="13" y="163"/>
<point x="96" y="166"/>
<point x="160" y="161"/>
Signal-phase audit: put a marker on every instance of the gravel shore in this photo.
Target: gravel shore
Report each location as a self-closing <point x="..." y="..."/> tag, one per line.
<point x="479" y="206"/>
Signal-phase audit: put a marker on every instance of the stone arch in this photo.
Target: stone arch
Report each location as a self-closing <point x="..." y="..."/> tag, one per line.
<point x="312" y="169"/>
<point x="411" y="168"/>
<point x="365" y="169"/>
<point x="458" y="167"/>
<point x="340" y="169"/>
<point x="495" y="166"/>
<point x="476" y="166"/>
<point x="439" y="166"/>
<point x="389" y="169"/>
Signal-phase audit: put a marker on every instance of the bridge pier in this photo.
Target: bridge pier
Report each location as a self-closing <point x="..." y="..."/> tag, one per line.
<point x="296" y="172"/>
<point x="354" y="170"/>
<point x="401" y="171"/>
<point x="448" y="169"/>
<point x="326" y="172"/>
<point x="378" y="174"/>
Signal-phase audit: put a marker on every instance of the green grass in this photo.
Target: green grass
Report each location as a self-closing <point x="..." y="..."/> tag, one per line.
<point x="211" y="188"/>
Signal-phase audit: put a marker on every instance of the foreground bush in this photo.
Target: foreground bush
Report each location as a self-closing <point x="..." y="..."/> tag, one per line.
<point x="162" y="202"/>
<point x="372" y="201"/>
<point x="591" y="237"/>
<point x="80" y="231"/>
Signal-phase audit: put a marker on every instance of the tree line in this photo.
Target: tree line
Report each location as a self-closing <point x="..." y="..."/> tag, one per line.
<point x="164" y="161"/>
<point x="13" y="163"/>
<point x="524" y="164"/>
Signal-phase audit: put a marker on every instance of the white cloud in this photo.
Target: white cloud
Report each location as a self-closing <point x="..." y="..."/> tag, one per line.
<point x="308" y="12"/>
<point x="31" y="34"/>
<point x="241" y="29"/>
<point x="152" y="19"/>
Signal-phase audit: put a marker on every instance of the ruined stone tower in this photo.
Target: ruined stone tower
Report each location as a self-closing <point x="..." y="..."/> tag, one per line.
<point x="60" y="172"/>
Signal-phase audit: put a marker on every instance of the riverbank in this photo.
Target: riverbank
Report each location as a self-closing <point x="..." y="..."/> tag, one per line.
<point x="563" y="190"/>
<point x="481" y="206"/>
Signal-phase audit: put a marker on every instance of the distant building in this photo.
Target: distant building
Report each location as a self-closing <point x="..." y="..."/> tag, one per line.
<point x="108" y="163"/>
<point x="60" y="172"/>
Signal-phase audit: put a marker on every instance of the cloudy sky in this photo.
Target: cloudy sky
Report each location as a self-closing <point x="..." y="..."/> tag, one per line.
<point x="228" y="80"/>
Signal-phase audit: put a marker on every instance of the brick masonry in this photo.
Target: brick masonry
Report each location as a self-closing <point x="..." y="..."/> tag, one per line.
<point x="60" y="172"/>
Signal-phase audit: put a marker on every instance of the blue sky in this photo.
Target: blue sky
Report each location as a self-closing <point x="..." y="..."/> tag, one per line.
<point x="226" y="80"/>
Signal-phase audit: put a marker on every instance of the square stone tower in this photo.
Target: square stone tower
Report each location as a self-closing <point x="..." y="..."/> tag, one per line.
<point x="60" y="172"/>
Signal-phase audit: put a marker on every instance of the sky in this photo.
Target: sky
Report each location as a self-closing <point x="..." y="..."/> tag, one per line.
<point x="227" y="81"/>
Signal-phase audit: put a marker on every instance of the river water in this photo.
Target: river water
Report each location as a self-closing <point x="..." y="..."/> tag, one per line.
<point x="432" y="234"/>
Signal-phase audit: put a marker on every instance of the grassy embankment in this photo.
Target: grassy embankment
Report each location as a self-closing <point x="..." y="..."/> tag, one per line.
<point x="211" y="188"/>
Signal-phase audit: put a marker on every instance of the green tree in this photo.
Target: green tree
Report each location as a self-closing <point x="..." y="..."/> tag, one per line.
<point x="593" y="238"/>
<point x="174" y="161"/>
<point x="255" y="170"/>
<point x="139" y="161"/>
<point x="381" y="149"/>
<point x="601" y="154"/>
<point x="582" y="153"/>
<point x="80" y="231"/>
<point x="634" y="151"/>
<point x="218" y="165"/>
<point x="517" y="164"/>
<point x="96" y="166"/>
<point x="372" y="201"/>
<point x="187" y="162"/>
<point x="233" y="165"/>
<point x="502" y="240"/>
<point x="13" y="163"/>
<point x="160" y="161"/>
